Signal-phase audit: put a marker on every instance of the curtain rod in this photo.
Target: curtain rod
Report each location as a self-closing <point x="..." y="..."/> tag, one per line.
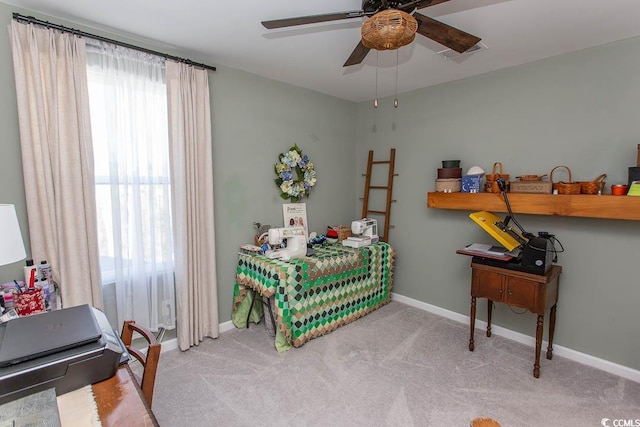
<point x="32" y="20"/>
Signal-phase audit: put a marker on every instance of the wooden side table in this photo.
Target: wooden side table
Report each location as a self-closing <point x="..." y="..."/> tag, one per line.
<point x="533" y="292"/>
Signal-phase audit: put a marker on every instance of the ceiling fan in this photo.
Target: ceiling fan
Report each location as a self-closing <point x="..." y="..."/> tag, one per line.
<point x="444" y="34"/>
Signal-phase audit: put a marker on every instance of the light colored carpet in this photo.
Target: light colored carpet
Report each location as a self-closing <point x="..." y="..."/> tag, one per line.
<point x="398" y="366"/>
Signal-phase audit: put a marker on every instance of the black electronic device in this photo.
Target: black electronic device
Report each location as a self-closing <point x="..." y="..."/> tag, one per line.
<point x="634" y="174"/>
<point x="84" y="360"/>
<point x="30" y="337"/>
<point x="536" y="257"/>
<point x="537" y="254"/>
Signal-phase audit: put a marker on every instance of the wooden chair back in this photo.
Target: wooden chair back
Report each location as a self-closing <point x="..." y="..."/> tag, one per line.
<point x="148" y="361"/>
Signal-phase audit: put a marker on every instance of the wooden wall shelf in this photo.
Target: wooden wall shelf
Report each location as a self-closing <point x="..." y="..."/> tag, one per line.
<point x="581" y="205"/>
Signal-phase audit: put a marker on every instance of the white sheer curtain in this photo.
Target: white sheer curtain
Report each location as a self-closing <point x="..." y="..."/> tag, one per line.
<point x="127" y="93"/>
<point x="55" y="136"/>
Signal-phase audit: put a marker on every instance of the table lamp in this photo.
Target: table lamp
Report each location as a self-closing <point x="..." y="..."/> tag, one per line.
<point x="11" y="244"/>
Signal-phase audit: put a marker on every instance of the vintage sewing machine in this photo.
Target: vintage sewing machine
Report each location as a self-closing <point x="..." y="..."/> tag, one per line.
<point x="365" y="232"/>
<point x="294" y="239"/>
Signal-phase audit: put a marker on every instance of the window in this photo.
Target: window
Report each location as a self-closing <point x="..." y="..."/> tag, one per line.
<point x="128" y="103"/>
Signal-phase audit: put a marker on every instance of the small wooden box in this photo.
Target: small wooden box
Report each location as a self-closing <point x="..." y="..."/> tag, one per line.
<point x="537" y="187"/>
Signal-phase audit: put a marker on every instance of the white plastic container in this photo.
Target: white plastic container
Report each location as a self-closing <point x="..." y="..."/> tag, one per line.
<point x="46" y="273"/>
<point x="48" y="285"/>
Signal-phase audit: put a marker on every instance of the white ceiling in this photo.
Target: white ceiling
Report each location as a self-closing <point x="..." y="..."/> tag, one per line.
<point x="229" y="33"/>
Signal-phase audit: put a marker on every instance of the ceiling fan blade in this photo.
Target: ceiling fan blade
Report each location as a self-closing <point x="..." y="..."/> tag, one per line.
<point x="301" y="20"/>
<point x="358" y="55"/>
<point x="420" y="4"/>
<point x="445" y="34"/>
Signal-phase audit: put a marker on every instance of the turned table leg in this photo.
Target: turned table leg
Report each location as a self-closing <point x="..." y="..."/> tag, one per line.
<point x="539" y="328"/>
<point x="472" y="322"/>
<point x="552" y="327"/>
<point x="489" y="310"/>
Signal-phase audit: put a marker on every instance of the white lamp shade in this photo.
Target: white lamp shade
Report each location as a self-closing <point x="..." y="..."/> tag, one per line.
<point x="11" y="244"/>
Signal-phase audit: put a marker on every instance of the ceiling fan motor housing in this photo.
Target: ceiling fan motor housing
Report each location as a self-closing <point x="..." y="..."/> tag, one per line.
<point x="389" y="29"/>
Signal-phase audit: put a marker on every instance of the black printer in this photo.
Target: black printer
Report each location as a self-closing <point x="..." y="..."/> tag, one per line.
<point x="63" y="349"/>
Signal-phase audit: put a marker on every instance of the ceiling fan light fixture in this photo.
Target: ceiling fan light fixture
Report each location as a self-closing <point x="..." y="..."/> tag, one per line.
<point x="389" y="29"/>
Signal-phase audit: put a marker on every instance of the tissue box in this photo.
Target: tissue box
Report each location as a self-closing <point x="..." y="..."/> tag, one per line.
<point x="471" y="183"/>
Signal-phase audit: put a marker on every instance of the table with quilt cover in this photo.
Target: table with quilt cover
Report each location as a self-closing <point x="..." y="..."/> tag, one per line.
<point x="315" y="295"/>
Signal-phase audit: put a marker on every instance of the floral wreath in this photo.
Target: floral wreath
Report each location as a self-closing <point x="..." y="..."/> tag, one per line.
<point x="295" y="174"/>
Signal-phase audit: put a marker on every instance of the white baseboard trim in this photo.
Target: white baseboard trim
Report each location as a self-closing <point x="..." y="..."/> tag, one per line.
<point x="576" y="356"/>
<point x="226" y="326"/>
<point x="167" y="345"/>
<point x="172" y="344"/>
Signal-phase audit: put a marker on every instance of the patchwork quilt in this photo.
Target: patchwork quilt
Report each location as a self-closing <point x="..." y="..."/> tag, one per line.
<point x="315" y="295"/>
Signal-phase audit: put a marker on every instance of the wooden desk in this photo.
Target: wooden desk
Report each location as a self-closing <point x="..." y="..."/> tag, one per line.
<point x="532" y="292"/>
<point x="120" y="401"/>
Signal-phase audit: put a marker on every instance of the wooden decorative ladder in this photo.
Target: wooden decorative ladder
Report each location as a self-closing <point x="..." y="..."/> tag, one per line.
<point x="389" y="189"/>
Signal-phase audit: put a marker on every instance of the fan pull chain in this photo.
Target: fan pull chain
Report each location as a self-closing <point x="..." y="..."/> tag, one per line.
<point x="395" y="101"/>
<point x="375" y="101"/>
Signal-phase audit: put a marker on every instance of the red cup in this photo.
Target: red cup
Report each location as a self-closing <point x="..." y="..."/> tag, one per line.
<point x="619" y="190"/>
<point x="29" y="302"/>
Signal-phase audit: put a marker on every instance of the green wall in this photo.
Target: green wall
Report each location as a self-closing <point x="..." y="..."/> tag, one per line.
<point x="253" y="120"/>
<point x="579" y="110"/>
<point x="11" y="178"/>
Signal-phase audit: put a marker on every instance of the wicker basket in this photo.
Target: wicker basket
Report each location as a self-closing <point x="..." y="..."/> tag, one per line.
<point x="565" y="187"/>
<point x="492" y="186"/>
<point x="593" y="187"/>
<point x="343" y="231"/>
<point x="491" y="183"/>
<point x="495" y="175"/>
